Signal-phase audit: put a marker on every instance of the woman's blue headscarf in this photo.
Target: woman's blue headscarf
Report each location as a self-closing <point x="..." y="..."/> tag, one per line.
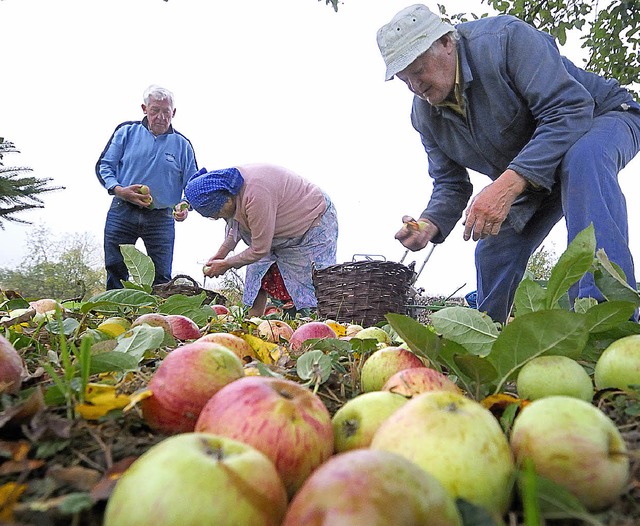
<point x="207" y="192"/>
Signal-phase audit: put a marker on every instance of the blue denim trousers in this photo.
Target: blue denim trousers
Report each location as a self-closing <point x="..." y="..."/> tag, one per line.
<point x="587" y="192"/>
<point x="125" y="224"/>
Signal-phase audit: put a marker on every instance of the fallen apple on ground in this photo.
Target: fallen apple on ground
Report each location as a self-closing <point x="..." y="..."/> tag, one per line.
<point x="375" y="333"/>
<point x="280" y="417"/>
<point x="383" y="364"/>
<point x="153" y="319"/>
<point x="554" y="375"/>
<point x="183" y="327"/>
<point x="308" y="331"/>
<point x="573" y="443"/>
<point x="458" y="441"/>
<point x="619" y="365"/>
<point x="355" y="423"/>
<point x="195" y="479"/>
<point x="220" y="309"/>
<point x="183" y="383"/>
<point x="11" y="368"/>
<point x="114" y="326"/>
<point x="274" y="330"/>
<point x="240" y="347"/>
<point x="416" y="380"/>
<point x="371" y="488"/>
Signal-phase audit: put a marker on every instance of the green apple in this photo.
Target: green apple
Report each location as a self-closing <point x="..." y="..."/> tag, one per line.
<point x="619" y="364"/>
<point x="383" y="364"/>
<point x="197" y="478"/>
<point x="355" y="423"/>
<point x="371" y="488"/>
<point x="554" y="375"/>
<point x="458" y="441"/>
<point x="574" y="444"/>
<point x="416" y="380"/>
<point x="375" y="333"/>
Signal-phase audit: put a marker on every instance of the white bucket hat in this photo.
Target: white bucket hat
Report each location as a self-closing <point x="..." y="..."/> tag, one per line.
<point x="409" y="34"/>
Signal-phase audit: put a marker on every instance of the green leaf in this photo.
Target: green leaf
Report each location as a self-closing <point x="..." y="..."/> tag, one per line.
<point x="141" y="267"/>
<point x="119" y="298"/>
<point x="552" y="332"/>
<point x="530" y="297"/>
<point x="574" y="263"/>
<point x="314" y="365"/>
<point x="450" y="353"/>
<point x="478" y="369"/>
<point x="474" y="515"/>
<point x="74" y="503"/>
<point x="189" y="306"/>
<point x="137" y="341"/>
<point x="420" y="339"/>
<point x="474" y="330"/>
<point x="611" y="281"/>
<point x="608" y="315"/>
<point x="69" y="326"/>
<point x="113" y="362"/>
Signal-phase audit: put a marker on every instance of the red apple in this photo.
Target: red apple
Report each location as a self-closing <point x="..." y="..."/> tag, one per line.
<point x="11" y="368"/>
<point x="184" y="381"/>
<point x="154" y="319"/>
<point x="371" y="488"/>
<point x="383" y="364"/>
<point x="197" y="478"/>
<point x="307" y="331"/>
<point x="240" y="347"/>
<point x="220" y="309"/>
<point x="280" y="417"/>
<point x="417" y="380"/>
<point x="273" y="330"/>
<point x="182" y="327"/>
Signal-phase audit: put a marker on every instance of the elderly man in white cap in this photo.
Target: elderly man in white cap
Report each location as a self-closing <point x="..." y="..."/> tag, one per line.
<point x="494" y="95"/>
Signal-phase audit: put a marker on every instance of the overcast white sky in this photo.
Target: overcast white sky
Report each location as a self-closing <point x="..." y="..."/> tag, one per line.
<point x="287" y="81"/>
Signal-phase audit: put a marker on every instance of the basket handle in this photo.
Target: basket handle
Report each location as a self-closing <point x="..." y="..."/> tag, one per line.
<point x="368" y="257"/>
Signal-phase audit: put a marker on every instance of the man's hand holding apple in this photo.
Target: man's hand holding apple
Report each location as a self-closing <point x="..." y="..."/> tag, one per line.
<point x="415" y="235"/>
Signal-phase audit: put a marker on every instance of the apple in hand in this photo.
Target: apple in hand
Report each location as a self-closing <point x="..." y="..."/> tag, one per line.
<point x="458" y="441"/>
<point x="355" y="423"/>
<point x="619" y="364"/>
<point x="184" y="381"/>
<point x="371" y="488"/>
<point x="11" y="368"/>
<point x="554" y="375"/>
<point x="273" y="330"/>
<point x="416" y="380"/>
<point x="308" y="331"/>
<point x="383" y="364"/>
<point x="573" y="443"/>
<point x="240" y="347"/>
<point x="197" y="478"/>
<point x="183" y="327"/>
<point x="280" y="417"/>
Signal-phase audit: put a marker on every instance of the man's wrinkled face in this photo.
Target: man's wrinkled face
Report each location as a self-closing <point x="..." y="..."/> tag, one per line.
<point x="159" y="114"/>
<point x="432" y="75"/>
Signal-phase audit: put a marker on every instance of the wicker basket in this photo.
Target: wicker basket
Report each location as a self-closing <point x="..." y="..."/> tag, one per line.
<point x="362" y="292"/>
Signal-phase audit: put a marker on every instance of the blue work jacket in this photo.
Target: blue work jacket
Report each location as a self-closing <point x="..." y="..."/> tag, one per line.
<point x="525" y="106"/>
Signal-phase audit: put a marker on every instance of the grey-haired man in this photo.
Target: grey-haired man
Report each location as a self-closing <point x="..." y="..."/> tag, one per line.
<point x="495" y="96"/>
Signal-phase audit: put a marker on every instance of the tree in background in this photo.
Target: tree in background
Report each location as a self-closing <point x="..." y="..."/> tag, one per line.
<point x="67" y="268"/>
<point x="17" y="191"/>
<point x="541" y="263"/>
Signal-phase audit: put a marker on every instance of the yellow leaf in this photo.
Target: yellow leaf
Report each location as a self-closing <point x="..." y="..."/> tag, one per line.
<point x="340" y="329"/>
<point x="262" y="348"/>
<point x="99" y="400"/>
<point x="137" y="397"/>
<point x="9" y="495"/>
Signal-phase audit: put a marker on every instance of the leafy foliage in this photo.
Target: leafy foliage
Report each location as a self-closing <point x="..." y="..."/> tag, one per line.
<point x="19" y="192"/>
<point x="609" y="30"/>
<point x="68" y="267"/>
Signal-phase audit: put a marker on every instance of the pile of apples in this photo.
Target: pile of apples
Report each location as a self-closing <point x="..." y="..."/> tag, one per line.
<point x="245" y="449"/>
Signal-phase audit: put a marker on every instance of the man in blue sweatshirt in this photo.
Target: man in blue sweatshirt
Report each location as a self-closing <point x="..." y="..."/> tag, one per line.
<point x="145" y="165"/>
<point x="494" y="95"/>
